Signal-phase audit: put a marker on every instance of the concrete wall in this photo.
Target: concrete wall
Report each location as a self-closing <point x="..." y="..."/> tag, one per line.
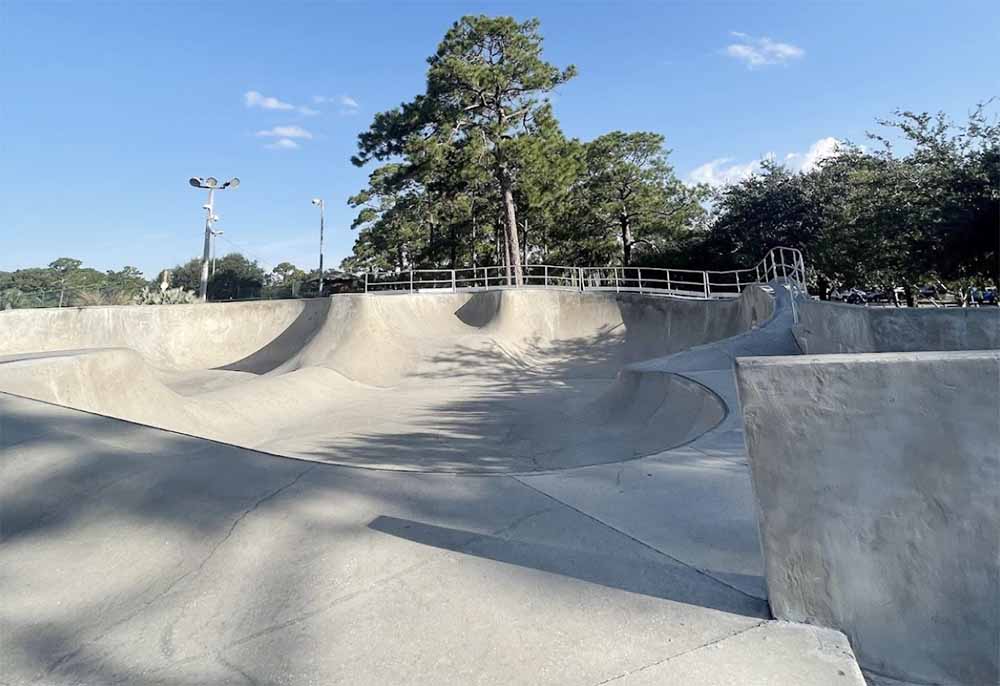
<point x="171" y="336"/>
<point x="877" y="484"/>
<point x="261" y="336"/>
<point x="826" y="327"/>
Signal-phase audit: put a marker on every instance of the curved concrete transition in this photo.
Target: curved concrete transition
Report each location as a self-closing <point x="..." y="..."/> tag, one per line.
<point x="494" y="382"/>
<point x="136" y="555"/>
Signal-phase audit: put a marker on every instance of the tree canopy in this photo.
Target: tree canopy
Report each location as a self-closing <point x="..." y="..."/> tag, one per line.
<point x="483" y="95"/>
<point x="477" y="171"/>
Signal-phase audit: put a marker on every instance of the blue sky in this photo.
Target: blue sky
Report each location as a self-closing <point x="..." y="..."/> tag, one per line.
<point x="109" y="107"/>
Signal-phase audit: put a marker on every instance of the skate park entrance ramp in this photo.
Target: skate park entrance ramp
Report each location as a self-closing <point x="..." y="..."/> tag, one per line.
<point x="508" y="381"/>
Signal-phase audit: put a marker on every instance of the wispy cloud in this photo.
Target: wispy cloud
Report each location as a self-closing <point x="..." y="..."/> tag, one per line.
<point x="759" y="52"/>
<point x="724" y="170"/>
<point x="290" y="131"/>
<point x="282" y="144"/>
<point x="256" y="99"/>
<point x="346" y="104"/>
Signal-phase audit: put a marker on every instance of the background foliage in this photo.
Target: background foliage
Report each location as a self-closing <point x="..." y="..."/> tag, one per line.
<point x="476" y="171"/>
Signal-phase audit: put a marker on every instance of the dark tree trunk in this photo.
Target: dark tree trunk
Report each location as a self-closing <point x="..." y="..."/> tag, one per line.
<point x="626" y="240"/>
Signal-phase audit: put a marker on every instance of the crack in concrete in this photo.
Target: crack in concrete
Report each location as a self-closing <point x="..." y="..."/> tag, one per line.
<point x="65" y="657"/>
<point x="665" y="660"/>
<point x="339" y="600"/>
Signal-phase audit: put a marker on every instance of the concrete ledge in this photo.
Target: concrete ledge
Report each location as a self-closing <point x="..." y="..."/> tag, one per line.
<point x="826" y="327"/>
<point x="875" y="478"/>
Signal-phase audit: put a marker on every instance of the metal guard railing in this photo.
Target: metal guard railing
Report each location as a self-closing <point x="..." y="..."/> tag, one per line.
<point x="781" y="264"/>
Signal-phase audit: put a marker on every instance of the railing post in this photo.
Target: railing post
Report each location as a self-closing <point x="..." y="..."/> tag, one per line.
<point x="638" y="271"/>
<point x="411" y="279"/>
<point x="668" y="281"/>
<point x="617" y="289"/>
<point x="579" y="272"/>
<point x="708" y="289"/>
<point x="737" y="282"/>
<point x="366" y="282"/>
<point x="452" y="280"/>
<point x="545" y="282"/>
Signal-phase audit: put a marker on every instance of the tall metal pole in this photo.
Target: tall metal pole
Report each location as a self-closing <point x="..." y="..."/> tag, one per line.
<point x="208" y="245"/>
<point x="321" y="208"/>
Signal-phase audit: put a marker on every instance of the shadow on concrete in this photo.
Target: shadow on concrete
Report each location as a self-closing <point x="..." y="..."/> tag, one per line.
<point x="534" y="407"/>
<point x="290" y="341"/>
<point x="586" y="565"/>
<point x="132" y="555"/>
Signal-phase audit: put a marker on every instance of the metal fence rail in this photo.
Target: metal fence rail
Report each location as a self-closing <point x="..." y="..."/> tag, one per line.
<point x="783" y="264"/>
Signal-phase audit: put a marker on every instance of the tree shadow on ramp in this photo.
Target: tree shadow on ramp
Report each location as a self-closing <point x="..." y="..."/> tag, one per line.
<point x="478" y="410"/>
<point x="659" y="578"/>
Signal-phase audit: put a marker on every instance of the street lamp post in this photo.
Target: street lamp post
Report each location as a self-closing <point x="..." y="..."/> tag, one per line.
<point x="322" y="205"/>
<point x="215" y="252"/>
<point x="211" y="184"/>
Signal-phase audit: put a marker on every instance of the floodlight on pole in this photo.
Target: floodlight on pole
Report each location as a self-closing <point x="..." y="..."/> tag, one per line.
<point x="319" y="202"/>
<point x="211" y="184"/>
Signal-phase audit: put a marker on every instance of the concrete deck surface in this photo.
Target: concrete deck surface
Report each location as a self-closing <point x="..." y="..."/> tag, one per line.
<point x="135" y="555"/>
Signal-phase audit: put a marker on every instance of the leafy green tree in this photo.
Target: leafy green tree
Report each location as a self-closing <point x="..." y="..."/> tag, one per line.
<point x="128" y="280"/>
<point x="549" y="166"/>
<point x="235" y="277"/>
<point x="630" y="196"/>
<point x="285" y="280"/>
<point x="876" y="218"/>
<point x="484" y="86"/>
<point x="186" y="276"/>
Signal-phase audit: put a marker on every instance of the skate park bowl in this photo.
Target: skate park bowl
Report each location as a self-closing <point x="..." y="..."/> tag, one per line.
<point x="590" y="516"/>
<point x="875" y="466"/>
<point x="500" y="381"/>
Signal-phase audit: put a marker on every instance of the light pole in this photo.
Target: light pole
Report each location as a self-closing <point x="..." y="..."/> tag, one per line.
<point x="322" y="205"/>
<point x="215" y="234"/>
<point x="211" y="184"/>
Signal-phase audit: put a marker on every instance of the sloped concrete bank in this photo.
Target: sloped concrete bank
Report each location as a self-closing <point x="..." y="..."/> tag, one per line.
<point x="501" y="381"/>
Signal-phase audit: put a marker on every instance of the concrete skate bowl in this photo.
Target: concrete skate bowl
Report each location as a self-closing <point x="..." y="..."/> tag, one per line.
<point x="491" y="382"/>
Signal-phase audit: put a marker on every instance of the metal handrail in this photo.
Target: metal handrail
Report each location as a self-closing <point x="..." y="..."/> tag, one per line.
<point x="781" y="264"/>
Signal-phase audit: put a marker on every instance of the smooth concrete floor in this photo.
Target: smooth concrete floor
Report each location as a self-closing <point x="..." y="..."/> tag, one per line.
<point x="132" y="555"/>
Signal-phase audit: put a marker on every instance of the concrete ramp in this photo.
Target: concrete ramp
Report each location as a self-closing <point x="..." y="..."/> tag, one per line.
<point x="501" y="381"/>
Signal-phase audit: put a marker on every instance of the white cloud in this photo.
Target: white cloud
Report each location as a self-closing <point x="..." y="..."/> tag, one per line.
<point x="282" y="144"/>
<point x="723" y="171"/>
<point x="348" y="101"/>
<point x="820" y="150"/>
<point x="290" y="131"/>
<point x="758" y="52"/>
<point x="255" y="99"/>
<point x="720" y="173"/>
